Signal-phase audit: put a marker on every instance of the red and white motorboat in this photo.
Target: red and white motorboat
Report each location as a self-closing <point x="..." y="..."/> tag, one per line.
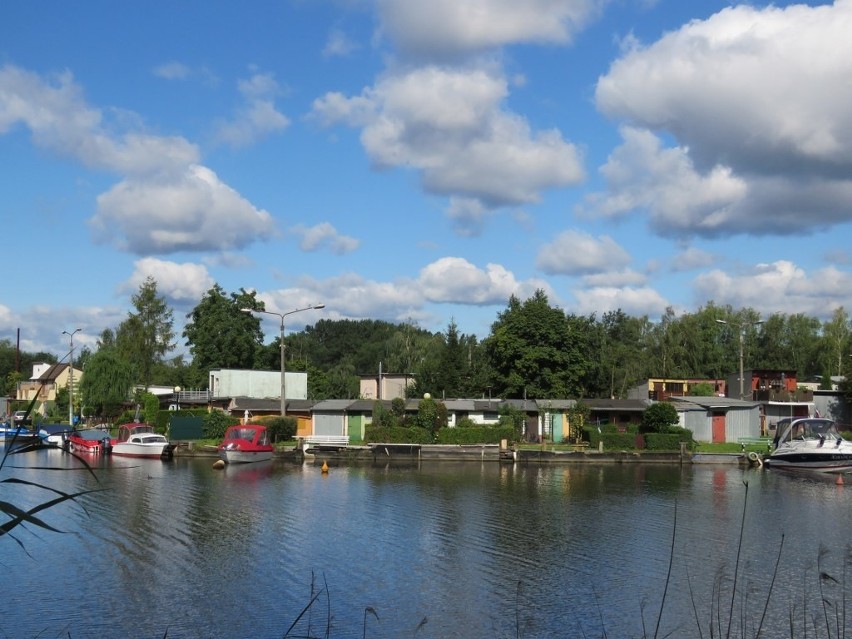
<point x="246" y="443"/>
<point x="89" y="440"/>
<point x="139" y="440"/>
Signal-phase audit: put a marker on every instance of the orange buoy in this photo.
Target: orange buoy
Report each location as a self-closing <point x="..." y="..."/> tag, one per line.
<point x="839" y="480"/>
<point x="325" y="467"/>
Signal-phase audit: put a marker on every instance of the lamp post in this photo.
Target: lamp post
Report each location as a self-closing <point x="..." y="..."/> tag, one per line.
<point x="742" y="328"/>
<point x="71" y="377"/>
<point x="281" y="316"/>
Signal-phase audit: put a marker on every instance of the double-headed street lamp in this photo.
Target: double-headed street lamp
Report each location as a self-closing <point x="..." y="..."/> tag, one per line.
<point x="71" y="377"/>
<point x="281" y="316"/>
<point x="742" y="328"/>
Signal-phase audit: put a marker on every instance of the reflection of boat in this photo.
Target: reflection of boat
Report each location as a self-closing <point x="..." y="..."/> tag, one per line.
<point x="810" y="443"/>
<point x="249" y="472"/>
<point x="246" y="443"/>
<point x="140" y="440"/>
<point x="90" y="440"/>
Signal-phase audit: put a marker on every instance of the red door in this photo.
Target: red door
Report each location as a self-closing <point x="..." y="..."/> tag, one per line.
<point x="718" y="428"/>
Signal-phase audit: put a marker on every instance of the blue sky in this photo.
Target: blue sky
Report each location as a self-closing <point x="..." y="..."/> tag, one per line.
<point x="422" y="161"/>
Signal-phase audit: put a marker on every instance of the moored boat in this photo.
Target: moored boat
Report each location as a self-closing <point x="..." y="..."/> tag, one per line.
<point x="18" y="434"/>
<point x="810" y="443"/>
<point x="246" y="443"/>
<point x="139" y="440"/>
<point x="89" y="440"/>
<point x="55" y="434"/>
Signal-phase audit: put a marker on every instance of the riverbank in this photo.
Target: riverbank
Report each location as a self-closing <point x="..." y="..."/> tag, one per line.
<point x="373" y="453"/>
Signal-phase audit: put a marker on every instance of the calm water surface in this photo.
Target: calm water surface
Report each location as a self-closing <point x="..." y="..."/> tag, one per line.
<point x="475" y="550"/>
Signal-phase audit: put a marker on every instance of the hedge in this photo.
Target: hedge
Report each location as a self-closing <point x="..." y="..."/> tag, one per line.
<point x="668" y="441"/>
<point x="481" y="435"/>
<point x="631" y="440"/>
<point x="397" y="435"/>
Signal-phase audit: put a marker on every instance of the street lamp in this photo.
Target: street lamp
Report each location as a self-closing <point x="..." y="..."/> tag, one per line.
<point x="71" y="377"/>
<point x="281" y="316"/>
<point x="742" y="328"/>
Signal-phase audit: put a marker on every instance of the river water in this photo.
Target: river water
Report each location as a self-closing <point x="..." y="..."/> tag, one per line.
<point x="443" y="549"/>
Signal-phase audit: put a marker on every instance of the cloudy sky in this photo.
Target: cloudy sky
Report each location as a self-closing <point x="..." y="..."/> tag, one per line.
<point x="422" y="161"/>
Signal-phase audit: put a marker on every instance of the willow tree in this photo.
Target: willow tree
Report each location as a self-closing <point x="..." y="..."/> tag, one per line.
<point x="107" y="383"/>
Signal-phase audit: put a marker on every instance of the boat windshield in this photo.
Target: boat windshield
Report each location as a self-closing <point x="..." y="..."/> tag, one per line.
<point x="804" y="429"/>
<point x="242" y="433"/>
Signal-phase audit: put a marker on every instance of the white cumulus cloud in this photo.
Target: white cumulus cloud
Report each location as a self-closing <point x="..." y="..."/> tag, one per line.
<point x="194" y="211"/>
<point x="257" y="117"/>
<point x="181" y="283"/>
<point x="444" y="27"/>
<point x="450" y="125"/>
<point x="756" y="100"/>
<point x="578" y="253"/>
<point x="324" y="235"/>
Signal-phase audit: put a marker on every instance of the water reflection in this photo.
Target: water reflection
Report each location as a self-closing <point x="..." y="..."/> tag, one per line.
<point x="481" y="550"/>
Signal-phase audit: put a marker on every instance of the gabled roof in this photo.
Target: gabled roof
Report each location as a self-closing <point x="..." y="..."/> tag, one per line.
<point x="52" y="373"/>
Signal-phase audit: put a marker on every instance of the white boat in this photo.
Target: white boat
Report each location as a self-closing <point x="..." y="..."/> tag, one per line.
<point x="140" y="440"/>
<point x="55" y="434"/>
<point x="810" y="443"/>
<point x="246" y="443"/>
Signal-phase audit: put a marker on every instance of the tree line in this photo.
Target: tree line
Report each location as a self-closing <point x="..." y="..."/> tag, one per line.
<point x="533" y="350"/>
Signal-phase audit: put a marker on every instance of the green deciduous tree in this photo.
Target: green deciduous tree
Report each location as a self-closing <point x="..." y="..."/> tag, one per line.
<point x="702" y="389"/>
<point x="836" y="338"/>
<point x="431" y="415"/>
<point x="536" y="351"/>
<point x="220" y="335"/>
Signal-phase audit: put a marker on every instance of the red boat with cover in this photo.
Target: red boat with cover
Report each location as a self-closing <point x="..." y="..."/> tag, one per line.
<point x="246" y="443"/>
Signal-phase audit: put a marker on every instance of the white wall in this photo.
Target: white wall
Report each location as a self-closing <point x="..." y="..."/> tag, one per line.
<point x="256" y="384"/>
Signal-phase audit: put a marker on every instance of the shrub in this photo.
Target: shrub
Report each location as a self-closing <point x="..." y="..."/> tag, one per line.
<point x="466" y="422"/>
<point x="397" y="435"/>
<point x="280" y="428"/>
<point x="216" y="422"/>
<point x="475" y="435"/>
<point x="618" y="441"/>
<point x="431" y="415"/>
<point x="668" y="441"/>
<point x="659" y="418"/>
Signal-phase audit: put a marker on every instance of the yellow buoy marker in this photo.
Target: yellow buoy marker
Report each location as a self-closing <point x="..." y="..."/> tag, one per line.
<point x="324" y="467"/>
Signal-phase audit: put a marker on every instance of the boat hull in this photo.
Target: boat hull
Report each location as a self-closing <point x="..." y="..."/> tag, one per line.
<point x="144" y="451"/>
<point x="818" y="462"/>
<point x="245" y="456"/>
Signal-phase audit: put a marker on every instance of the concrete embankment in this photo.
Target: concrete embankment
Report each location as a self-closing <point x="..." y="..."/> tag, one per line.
<point x="488" y="452"/>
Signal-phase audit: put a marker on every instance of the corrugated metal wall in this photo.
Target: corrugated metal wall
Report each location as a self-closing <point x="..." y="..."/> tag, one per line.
<point x="742" y="422"/>
<point x="328" y="424"/>
<point x="698" y="421"/>
<point x="739" y="422"/>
